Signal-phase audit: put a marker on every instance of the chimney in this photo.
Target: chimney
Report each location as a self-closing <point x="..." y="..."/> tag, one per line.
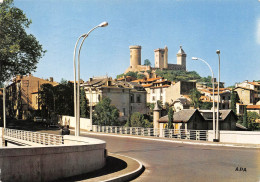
<point x="51" y="79"/>
<point x="90" y="79"/>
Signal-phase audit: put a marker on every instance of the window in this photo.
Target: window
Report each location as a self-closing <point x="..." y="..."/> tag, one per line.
<point x="138" y="98"/>
<point x="153" y="98"/>
<point x="132" y="98"/>
<point x="123" y="111"/>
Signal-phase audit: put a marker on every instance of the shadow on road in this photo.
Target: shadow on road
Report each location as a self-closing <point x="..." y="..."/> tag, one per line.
<point x="112" y="165"/>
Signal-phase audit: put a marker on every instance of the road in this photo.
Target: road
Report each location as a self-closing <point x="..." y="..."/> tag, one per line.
<point x="166" y="161"/>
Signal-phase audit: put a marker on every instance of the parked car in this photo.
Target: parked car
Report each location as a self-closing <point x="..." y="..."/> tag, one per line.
<point x="39" y="119"/>
<point x="65" y="130"/>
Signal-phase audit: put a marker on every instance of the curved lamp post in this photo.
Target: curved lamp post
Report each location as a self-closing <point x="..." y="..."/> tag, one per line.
<point x="76" y="91"/>
<point x="214" y="130"/>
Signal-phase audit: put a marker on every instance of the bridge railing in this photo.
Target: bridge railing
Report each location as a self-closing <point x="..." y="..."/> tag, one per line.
<point x="165" y="133"/>
<point x="35" y="137"/>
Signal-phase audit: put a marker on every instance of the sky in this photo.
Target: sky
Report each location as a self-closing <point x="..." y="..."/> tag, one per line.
<point x="200" y="26"/>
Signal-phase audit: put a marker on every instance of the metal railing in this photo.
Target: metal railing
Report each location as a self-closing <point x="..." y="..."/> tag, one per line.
<point x="165" y="133"/>
<point x="36" y="137"/>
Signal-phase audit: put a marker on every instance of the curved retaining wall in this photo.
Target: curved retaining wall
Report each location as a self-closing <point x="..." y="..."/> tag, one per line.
<point x="78" y="155"/>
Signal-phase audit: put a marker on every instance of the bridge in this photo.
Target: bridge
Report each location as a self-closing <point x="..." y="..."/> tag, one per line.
<point x="169" y="157"/>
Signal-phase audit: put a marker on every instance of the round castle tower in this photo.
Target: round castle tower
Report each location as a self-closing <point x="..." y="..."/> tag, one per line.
<point x="135" y="56"/>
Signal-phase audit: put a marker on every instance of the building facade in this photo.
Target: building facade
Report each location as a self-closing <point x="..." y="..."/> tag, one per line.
<point x="248" y="92"/>
<point x="21" y="100"/>
<point x="127" y="97"/>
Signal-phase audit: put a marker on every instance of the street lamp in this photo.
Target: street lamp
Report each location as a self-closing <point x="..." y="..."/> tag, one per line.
<point x="76" y="91"/>
<point x="217" y="124"/>
<point x="214" y="122"/>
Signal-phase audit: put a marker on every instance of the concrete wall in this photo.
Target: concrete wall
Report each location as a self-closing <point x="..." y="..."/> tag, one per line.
<point x="77" y="156"/>
<point x="70" y="120"/>
<point x="248" y="137"/>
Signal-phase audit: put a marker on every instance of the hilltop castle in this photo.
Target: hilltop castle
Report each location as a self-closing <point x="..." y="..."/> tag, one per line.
<point x="160" y="60"/>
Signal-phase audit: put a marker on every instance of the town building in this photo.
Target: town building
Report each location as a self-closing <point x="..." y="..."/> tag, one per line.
<point x="21" y="97"/>
<point x="224" y="96"/>
<point x="248" y="92"/>
<point x="189" y="119"/>
<point x="170" y="92"/>
<point x="160" y="60"/>
<point x="127" y="97"/>
<point x="227" y="119"/>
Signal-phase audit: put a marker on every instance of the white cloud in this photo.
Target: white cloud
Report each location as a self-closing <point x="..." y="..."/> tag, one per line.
<point x="258" y="31"/>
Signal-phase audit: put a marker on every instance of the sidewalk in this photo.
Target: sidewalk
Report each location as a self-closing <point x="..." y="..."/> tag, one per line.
<point x="174" y="140"/>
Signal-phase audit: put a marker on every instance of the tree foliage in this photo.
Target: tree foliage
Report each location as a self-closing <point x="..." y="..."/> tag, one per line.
<point x="170" y="118"/>
<point x="137" y="120"/>
<point x="245" y="124"/>
<point x="147" y="62"/>
<point x="84" y="109"/>
<point x="105" y="114"/>
<point x="57" y="99"/>
<point x="19" y="51"/>
<point x="195" y="97"/>
<point x="251" y="120"/>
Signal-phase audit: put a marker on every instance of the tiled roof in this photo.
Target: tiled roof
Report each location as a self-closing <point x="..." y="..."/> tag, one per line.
<point x="253" y="107"/>
<point x="254" y="83"/>
<point x="181" y="116"/>
<point x="164" y="86"/>
<point x="147" y="85"/>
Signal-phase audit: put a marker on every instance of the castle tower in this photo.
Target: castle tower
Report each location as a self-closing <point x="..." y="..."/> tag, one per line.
<point x="135" y="56"/>
<point x="181" y="58"/>
<point x="159" y="58"/>
<point x="165" y="65"/>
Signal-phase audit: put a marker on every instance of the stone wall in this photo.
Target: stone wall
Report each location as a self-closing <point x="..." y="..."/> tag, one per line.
<point x="77" y="156"/>
<point x="247" y="137"/>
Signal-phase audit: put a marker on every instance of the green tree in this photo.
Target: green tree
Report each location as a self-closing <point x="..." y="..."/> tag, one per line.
<point x="245" y="124"/>
<point x="195" y="97"/>
<point x="132" y="74"/>
<point x="233" y="101"/>
<point x="160" y="104"/>
<point x="84" y="109"/>
<point x="46" y="100"/>
<point x="19" y="51"/>
<point x="167" y="106"/>
<point x="170" y="118"/>
<point x="147" y="62"/>
<point x="251" y="120"/>
<point x="105" y="113"/>
<point x="140" y="76"/>
<point x="206" y="105"/>
<point x="137" y="120"/>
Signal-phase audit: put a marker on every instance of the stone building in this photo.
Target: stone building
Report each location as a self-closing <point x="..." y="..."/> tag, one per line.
<point x="248" y="92"/>
<point x="170" y="92"/>
<point x="190" y="119"/>
<point x="224" y="96"/>
<point x="160" y="60"/>
<point x="21" y="97"/>
<point x="127" y="97"/>
<point x="227" y="119"/>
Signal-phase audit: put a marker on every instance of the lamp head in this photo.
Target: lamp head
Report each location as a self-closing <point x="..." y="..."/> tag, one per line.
<point x="194" y="58"/>
<point x="218" y="51"/>
<point x="103" y="24"/>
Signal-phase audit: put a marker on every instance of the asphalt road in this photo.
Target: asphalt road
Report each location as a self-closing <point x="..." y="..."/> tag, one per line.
<point x="181" y="162"/>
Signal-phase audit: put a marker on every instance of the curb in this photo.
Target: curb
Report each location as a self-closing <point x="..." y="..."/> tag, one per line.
<point x="237" y="145"/>
<point x="128" y="176"/>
